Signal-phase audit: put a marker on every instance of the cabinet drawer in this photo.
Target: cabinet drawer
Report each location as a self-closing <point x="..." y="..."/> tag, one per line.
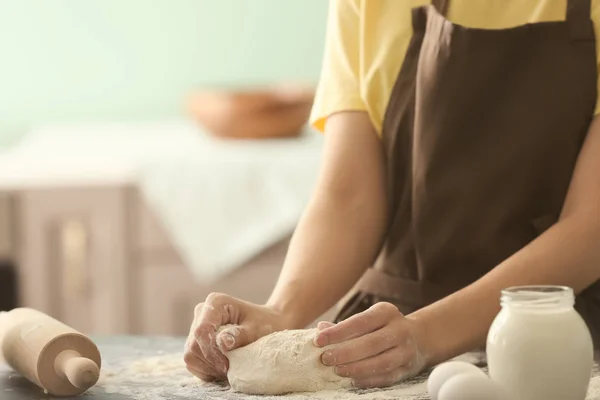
<point x="73" y="256"/>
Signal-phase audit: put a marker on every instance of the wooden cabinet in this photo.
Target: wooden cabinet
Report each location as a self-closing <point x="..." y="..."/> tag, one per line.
<point x="73" y="260"/>
<point x="98" y="259"/>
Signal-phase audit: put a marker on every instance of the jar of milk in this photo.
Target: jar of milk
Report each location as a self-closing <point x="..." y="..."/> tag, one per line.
<point x="538" y="346"/>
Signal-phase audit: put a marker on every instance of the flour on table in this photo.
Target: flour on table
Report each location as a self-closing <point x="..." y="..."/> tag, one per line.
<point x="282" y="362"/>
<point x="164" y="377"/>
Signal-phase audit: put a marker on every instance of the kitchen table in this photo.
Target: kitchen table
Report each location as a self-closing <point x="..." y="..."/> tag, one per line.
<point x="152" y="368"/>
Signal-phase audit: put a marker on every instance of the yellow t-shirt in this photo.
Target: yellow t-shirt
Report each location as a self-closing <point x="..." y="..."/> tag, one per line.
<point x="367" y="40"/>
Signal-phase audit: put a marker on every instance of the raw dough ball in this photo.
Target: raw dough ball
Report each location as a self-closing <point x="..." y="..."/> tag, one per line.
<point x="282" y="362"/>
<point x="471" y="386"/>
<point x="445" y="371"/>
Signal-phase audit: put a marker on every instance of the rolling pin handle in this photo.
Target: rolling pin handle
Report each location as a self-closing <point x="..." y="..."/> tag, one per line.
<point x="82" y="372"/>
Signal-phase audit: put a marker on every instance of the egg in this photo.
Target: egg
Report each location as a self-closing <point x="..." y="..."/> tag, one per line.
<point x="471" y="386"/>
<point x="447" y="370"/>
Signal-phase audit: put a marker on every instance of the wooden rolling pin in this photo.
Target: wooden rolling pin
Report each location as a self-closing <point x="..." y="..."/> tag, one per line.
<point x="50" y="354"/>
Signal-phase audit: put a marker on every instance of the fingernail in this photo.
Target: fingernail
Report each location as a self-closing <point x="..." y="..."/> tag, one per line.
<point x="324" y="325"/>
<point x="328" y="358"/>
<point x="226" y="341"/>
<point x="320" y="340"/>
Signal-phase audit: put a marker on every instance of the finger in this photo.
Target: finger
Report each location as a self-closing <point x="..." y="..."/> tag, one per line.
<point x="201" y="375"/>
<point x="358" y="325"/>
<point x="389" y="379"/>
<point x="215" y="313"/>
<point x="233" y="337"/>
<point x="378" y="365"/>
<point x="192" y="347"/>
<point x="210" y="350"/>
<point x="324" y="325"/>
<point x="364" y="347"/>
<point x="201" y="368"/>
<point x="198" y="310"/>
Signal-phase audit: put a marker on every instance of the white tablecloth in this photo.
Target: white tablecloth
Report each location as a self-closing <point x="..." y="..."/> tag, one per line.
<point x="222" y="202"/>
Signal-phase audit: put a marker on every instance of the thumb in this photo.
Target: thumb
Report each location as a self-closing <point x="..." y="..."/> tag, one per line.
<point x="324" y="325"/>
<point x="235" y="336"/>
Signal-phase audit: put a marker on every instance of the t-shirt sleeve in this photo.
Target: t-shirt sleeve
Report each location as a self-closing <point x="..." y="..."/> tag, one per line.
<point x="339" y="83"/>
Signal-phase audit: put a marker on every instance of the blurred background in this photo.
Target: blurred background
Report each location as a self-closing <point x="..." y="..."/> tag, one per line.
<point x="152" y="153"/>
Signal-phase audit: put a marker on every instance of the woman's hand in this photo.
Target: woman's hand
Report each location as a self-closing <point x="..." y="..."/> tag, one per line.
<point x="206" y="343"/>
<point x="375" y="348"/>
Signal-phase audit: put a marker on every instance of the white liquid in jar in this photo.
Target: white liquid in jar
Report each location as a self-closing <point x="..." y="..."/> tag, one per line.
<point x="539" y="347"/>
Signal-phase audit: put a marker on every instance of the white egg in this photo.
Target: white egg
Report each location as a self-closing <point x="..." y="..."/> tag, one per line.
<point x="445" y="371"/>
<point x="470" y="386"/>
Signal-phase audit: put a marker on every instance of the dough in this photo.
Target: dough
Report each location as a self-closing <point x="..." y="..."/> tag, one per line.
<point x="282" y="362"/>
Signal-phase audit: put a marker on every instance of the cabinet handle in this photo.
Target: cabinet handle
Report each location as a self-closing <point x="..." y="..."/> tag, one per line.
<point x="74" y="256"/>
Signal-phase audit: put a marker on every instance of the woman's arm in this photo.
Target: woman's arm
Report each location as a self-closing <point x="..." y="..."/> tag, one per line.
<point x="566" y="254"/>
<point x="381" y="346"/>
<point x="338" y="237"/>
<point x="342" y="229"/>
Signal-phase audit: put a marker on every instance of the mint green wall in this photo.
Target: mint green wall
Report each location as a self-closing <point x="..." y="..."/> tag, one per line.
<point x="97" y="60"/>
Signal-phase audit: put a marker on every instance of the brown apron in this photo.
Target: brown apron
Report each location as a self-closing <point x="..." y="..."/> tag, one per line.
<point x="481" y="135"/>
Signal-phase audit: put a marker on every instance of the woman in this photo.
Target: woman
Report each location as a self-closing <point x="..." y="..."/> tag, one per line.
<point x="462" y="157"/>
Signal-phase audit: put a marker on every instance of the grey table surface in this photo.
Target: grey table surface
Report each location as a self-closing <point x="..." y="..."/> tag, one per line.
<point x="116" y="353"/>
<point x="152" y="368"/>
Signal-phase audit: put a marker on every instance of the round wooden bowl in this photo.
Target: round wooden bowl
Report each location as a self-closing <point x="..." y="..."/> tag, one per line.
<point x="279" y="112"/>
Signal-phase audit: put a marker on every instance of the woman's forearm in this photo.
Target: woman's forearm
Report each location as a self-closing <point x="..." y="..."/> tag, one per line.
<point x="342" y="229"/>
<point x="332" y="247"/>
<point x="567" y="254"/>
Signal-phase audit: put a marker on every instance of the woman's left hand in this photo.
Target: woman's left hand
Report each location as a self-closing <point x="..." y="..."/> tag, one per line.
<point x="375" y="348"/>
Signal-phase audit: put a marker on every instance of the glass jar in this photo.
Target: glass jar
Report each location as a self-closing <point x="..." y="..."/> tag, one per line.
<point x="538" y="346"/>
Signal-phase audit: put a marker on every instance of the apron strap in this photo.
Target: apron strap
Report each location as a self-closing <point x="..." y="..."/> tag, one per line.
<point x="441" y="6"/>
<point x="579" y="19"/>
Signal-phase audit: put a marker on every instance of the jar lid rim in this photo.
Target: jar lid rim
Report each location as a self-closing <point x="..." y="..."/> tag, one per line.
<point x="541" y="289"/>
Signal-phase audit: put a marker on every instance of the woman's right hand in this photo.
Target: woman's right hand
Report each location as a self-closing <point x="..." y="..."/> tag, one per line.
<point x="206" y="346"/>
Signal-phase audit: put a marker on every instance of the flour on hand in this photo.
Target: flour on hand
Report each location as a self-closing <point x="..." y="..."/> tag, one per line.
<point x="282" y="362"/>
